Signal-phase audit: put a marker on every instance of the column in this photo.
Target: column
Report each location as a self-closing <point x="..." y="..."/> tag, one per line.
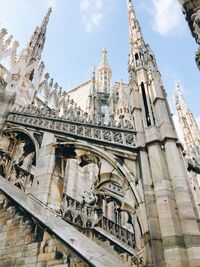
<point x="44" y="169"/>
<point x="188" y="220"/>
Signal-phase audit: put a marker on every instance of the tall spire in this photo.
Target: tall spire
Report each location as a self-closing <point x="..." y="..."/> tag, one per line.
<point x="37" y="41"/>
<point x="187" y="121"/>
<point x="135" y="32"/>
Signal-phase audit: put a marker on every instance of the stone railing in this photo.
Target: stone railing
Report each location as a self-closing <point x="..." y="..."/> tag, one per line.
<point x="87" y="216"/>
<point x="14" y="173"/>
<point x="118" y="231"/>
<point x="20" y="178"/>
<point x="122" y="137"/>
<point x="80" y="214"/>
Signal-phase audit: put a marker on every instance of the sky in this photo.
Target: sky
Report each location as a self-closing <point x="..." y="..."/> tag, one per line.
<point x="79" y="29"/>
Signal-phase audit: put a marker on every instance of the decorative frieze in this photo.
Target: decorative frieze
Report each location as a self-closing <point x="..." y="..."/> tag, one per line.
<point x="112" y="135"/>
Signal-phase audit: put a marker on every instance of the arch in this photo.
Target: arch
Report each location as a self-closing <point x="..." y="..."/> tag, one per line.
<point x="30" y="135"/>
<point x="78" y="220"/>
<point x="68" y="216"/>
<point x="124" y="173"/>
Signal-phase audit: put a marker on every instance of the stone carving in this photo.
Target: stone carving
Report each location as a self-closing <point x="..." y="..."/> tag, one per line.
<point x="4" y="160"/>
<point x="193" y="165"/>
<point x="19" y="153"/>
<point x="116" y="230"/>
<point x="7" y="47"/>
<point x="13" y="175"/>
<point x="100" y="133"/>
<point x="197" y="58"/>
<point x="113" y="188"/>
<point x="91" y="216"/>
<point x="20" y="178"/>
<point x="89" y="197"/>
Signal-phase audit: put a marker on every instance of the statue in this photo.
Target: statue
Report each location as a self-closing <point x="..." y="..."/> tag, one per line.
<point x="89" y="197"/>
<point x="193" y="165"/>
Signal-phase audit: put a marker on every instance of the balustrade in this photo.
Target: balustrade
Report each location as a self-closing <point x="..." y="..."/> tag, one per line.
<point x="90" y="216"/>
<point x="112" y="135"/>
<point x="16" y="175"/>
<point x="118" y="231"/>
<point x="20" y="178"/>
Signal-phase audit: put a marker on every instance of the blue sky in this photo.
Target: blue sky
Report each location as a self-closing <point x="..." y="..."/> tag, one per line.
<point x="78" y="29"/>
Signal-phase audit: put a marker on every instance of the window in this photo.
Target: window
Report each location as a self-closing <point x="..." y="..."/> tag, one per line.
<point x="148" y="120"/>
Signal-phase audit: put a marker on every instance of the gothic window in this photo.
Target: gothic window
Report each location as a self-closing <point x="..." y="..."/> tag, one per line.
<point x="146" y="109"/>
<point x="137" y="61"/>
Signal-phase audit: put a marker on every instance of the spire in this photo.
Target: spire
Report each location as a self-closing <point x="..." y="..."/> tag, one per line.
<point x="37" y="41"/>
<point x="104" y="57"/>
<point x="93" y="81"/>
<point x="46" y="20"/>
<point x="122" y="103"/>
<point x="92" y="96"/>
<point x="187" y="122"/>
<point x="135" y="32"/>
<point x="179" y="98"/>
<point x="104" y="73"/>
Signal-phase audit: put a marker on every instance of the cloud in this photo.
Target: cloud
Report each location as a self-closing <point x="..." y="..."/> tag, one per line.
<point x="92" y="12"/>
<point x="167" y="16"/>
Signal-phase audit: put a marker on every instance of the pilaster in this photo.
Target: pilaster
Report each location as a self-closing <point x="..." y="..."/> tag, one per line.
<point x="152" y="239"/>
<point x="188" y="220"/>
<point x="44" y="169"/>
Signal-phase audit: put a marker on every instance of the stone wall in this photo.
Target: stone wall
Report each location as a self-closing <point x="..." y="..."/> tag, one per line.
<point x="23" y="242"/>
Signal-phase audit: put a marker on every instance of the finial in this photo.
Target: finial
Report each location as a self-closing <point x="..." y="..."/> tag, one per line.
<point x="130" y="5"/>
<point x="46" y="19"/>
<point x="178" y="88"/>
<point x="104" y="56"/>
<point x="134" y="27"/>
<point x="49" y="10"/>
<point x="93" y="71"/>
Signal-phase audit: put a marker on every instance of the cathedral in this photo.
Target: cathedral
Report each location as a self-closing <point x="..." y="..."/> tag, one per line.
<point x="95" y="176"/>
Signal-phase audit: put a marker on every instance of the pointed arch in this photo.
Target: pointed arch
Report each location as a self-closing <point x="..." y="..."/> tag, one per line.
<point x="122" y="170"/>
<point x="29" y="134"/>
